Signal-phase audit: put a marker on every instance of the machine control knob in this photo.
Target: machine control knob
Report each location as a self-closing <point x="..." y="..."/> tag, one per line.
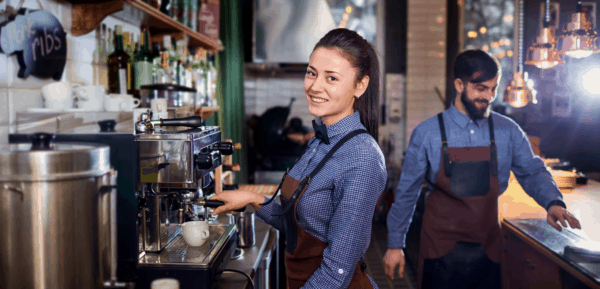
<point x="41" y="141"/>
<point x="107" y="125"/>
<point x="204" y="161"/>
<point x="225" y="148"/>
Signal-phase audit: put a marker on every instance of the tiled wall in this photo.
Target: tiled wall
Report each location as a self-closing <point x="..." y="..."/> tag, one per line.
<point x="262" y="92"/>
<point x="86" y="61"/>
<point x="426" y="61"/>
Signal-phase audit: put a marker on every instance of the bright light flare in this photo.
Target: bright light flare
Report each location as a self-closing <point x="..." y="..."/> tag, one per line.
<point x="590" y="81"/>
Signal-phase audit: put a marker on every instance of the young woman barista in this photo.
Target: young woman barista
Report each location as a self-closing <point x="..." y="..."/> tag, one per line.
<point x="329" y="196"/>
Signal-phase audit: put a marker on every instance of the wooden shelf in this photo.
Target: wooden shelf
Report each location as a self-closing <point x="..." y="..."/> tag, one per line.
<point x="89" y="14"/>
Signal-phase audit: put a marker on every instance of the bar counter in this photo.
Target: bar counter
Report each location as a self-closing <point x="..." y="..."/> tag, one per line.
<point x="534" y="251"/>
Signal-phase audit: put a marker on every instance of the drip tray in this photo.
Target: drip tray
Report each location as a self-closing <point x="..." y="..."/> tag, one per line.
<point x="179" y="254"/>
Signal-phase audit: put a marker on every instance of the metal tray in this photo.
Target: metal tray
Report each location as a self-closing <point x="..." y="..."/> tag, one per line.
<point x="179" y="254"/>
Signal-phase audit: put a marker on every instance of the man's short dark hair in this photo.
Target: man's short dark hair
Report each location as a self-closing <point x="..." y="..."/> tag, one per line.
<point x="476" y="66"/>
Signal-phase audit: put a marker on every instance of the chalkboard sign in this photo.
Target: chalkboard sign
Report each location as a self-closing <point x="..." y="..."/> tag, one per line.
<point x="39" y="40"/>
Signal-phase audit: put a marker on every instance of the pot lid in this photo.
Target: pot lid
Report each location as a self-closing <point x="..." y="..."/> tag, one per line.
<point x="41" y="160"/>
<point x="170" y="87"/>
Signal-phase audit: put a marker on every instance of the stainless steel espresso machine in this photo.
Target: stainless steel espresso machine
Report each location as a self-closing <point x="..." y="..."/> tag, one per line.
<point x="164" y="177"/>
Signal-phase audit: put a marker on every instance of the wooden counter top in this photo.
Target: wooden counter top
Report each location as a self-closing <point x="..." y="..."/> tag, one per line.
<point x="582" y="202"/>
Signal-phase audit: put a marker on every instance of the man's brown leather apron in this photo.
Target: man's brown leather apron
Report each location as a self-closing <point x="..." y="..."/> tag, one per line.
<point x="461" y="219"/>
<point x="304" y="252"/>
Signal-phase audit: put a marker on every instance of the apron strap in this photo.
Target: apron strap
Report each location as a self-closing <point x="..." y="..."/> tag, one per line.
<point x="306" y="179"/>
<point x="447" y="162"/>
<point x="334" y="149"/>
<point x="283" y="178"/>
<point x="493" y="149"/>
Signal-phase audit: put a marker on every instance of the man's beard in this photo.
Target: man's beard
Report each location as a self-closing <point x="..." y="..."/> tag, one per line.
<point x="474" y="112"/>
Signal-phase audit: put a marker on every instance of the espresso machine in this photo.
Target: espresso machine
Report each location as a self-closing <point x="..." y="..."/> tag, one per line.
<point x="175" y="179"/>
<point x="164" y="179"/>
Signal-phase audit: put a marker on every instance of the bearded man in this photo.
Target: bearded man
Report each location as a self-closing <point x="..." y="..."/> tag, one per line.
<point x="465" y="154"/>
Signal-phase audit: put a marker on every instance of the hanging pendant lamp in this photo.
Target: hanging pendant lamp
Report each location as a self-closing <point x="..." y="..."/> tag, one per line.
<point x="579" y="39"/>
<point x="543" y="53"/>
<point x="517" y="94"/>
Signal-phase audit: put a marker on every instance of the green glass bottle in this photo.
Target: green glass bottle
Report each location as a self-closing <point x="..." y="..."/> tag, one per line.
<point x="143" y="61"/>
<point x="117" y="65"/>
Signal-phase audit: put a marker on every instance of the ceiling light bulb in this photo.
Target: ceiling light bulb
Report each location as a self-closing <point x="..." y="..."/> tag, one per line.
<point x="579" y="39"/>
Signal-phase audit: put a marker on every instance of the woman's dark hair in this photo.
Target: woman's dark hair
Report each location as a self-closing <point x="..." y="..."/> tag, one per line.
<point x="363" y="57"/>
<point x="476" y="66"/>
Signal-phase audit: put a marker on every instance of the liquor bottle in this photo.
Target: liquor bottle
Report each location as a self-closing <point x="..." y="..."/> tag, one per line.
<point x="117" y="65"/>
<point x="166" y="7"/>
<point x="174" y="61"/>
<point x="212" y="81"/>
<point x="194" y="17"/>
<point x="176" y="10"/>
<point x="143" y="61"/>
<point x="155" y="62"/>
<point x="185" y="12"/>
<point x="128" y="47"/>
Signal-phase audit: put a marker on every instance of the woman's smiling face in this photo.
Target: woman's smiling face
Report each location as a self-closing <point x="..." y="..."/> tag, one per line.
<point x="330" y="85"/>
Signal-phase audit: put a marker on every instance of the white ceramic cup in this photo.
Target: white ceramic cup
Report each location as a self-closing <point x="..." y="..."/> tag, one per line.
<point x="165" y="283"/>
<point x="112" y="104"/>
<point x="90" y="97"/>
<point x="58" y="95"/>
<point x="195" y="232"/>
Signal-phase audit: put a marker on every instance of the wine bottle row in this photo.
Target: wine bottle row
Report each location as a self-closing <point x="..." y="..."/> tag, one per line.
<point x="134" y="64"/>
<point x="183" y="11"/>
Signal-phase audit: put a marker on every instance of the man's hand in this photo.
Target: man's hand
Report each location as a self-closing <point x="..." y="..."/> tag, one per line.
<point x="558" y="213"/>
<point x="392" y="259"/>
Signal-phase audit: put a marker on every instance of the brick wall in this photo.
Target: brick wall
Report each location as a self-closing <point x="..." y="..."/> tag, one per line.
<point x="426" y="61"/>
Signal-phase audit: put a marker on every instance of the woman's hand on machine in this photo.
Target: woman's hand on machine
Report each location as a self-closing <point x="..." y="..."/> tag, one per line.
<point x="236" y="200"/>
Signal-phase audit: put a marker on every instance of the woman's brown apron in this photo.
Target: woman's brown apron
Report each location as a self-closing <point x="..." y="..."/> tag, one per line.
<point x="304" y="252"/>
<point x="460" y="236"/>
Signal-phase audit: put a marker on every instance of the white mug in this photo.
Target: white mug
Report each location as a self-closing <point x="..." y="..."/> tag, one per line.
<point x="195" y="232"/>
<point x="90" y="97"/>
<point x="166" y="283"/>
<point x="57" y="95"/>
<point x="112" y="104"/>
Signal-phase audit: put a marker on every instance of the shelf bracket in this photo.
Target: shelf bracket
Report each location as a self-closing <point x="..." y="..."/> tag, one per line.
<point x="87" y="16"/>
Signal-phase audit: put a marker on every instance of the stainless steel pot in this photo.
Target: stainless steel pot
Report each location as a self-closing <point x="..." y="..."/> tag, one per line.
<point x="57" y="215"/>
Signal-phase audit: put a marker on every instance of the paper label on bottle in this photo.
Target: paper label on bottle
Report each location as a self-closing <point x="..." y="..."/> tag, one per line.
<point x="143" y="73"/>
<point x="123" y="80"/>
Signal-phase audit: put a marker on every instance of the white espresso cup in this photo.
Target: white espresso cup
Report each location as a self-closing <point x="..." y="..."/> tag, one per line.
<point x="58" y="95"/>
<point x="195" y="232"/>
<point x="90" y="97"/>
